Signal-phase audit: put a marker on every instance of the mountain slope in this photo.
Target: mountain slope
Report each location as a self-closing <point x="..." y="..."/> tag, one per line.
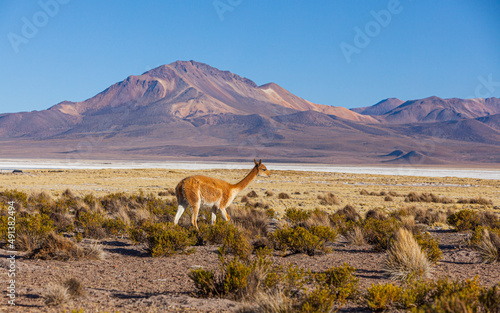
<point x="435" y="109"/>
<point x="380" y="108"/>
<point x="190" y="110"/>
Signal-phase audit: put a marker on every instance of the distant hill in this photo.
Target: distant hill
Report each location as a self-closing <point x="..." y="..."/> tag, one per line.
<point x="434" y="109"/>
<point x="380" y="108"/>
<point x="188" y="110"/>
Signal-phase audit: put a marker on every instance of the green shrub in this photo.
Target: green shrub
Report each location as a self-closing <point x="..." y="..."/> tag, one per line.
<point x="379" y="232"/>
<point x="166" y="239"/>
<point x="383" y="296"/>
<point x="345" y="219"/>
<point x="236" y="279"/>
<point x="293" y="278"/>
<point x="490" y="299"/>
<point x="19" y="197"/>
<point x="204" y="281"/>
<point x="429" y="245"/>
<point x="416" y="293"/>
<point x="340" y="280"/>
<point x="454" y="296"/>
<point x="464" y="220"/>
<point x="320" y="300"/>
<point x="297" y="240"/>
<point x="232" y="239"/>
<point x="297" y="216"/>
<point x="31" y="230"/>
<point x="325" y="233"/>
<point x="91" y="224"/>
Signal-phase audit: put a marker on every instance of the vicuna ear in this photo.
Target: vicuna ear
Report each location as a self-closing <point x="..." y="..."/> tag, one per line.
<point x="255" y="162"/>
<point x="260" y="162"/>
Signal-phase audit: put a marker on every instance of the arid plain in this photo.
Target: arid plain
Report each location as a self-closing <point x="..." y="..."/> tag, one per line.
<point x="129" y="279"/>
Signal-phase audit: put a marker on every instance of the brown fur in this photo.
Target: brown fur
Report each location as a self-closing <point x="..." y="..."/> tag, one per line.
<point x="198" y="190"/>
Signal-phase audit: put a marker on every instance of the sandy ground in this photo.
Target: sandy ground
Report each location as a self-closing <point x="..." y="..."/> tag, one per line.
<point x="303" y="187"/>
<point x="129" y="280"/>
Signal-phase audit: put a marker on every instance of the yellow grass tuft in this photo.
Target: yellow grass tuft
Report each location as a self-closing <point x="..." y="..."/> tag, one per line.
<point x="56" y="294"/>
<point x="405" y="259"/>
<point x="489" y="247"/>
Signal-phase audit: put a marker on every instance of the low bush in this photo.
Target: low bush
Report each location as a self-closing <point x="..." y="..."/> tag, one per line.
<point x="283" y="195"/>
<point x="356" y="236"/>
<point x="252" y="194"/>
<point x="427" y="197"/>
<point x="388" y="198"/>
<point x="321" y="299"/>
<point x="429" y="245"/>
<point x="383" y="296"/>
<point x="232" y="239"/>
<point x="254" y="221"/>
<point x="31" y="231"/>
<point x="376" y="214"/>
<point x="430" y="216"/>
<point x="297" y="240"/>
<point x="235" y="279"/>
<point x="442" y="295"/>
<point x="75" y="287"/>
<point x="350" y="213"/>
<point x="167" y="192"/>
<point x="454" y="296"/>
<point x="166" y="239"/>
<point x="478" y="200"/>
<point x="464" y="220"/>
<point x="345" y="219"/>
<point x="379" y="232"/>
<point x="341" y="282"/>
<point x="297" y="216"/>
<point x="317" y="217"/>
<point x="56" y="247"/>
<point x="328" y="199"/>
<point x="269" y="193"/>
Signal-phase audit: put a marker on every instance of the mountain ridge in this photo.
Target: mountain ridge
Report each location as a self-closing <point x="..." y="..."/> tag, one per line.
<point x="188" y="109"/>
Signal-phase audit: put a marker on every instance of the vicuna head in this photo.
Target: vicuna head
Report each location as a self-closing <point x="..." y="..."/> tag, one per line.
<point x="261" y="169"/>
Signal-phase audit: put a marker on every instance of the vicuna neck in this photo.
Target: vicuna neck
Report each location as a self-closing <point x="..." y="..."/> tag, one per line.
<point x="247" y="180"/>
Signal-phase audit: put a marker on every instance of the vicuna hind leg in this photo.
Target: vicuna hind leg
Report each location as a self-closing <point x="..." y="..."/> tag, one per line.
<point x="225" y="216"/>
<point x="214" y="214"/>
<point x="180" y="210"/>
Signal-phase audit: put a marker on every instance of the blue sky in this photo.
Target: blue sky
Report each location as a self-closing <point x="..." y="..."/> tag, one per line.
<point x="52" y="51"/>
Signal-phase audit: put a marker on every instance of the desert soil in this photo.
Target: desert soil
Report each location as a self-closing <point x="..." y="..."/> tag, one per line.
<point x="130" y="280"/>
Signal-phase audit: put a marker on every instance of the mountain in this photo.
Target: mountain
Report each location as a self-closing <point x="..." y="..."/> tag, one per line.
<point x="379" y="108"/>
<point x="434" y="109"/>
<point x="188" y="110"/>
